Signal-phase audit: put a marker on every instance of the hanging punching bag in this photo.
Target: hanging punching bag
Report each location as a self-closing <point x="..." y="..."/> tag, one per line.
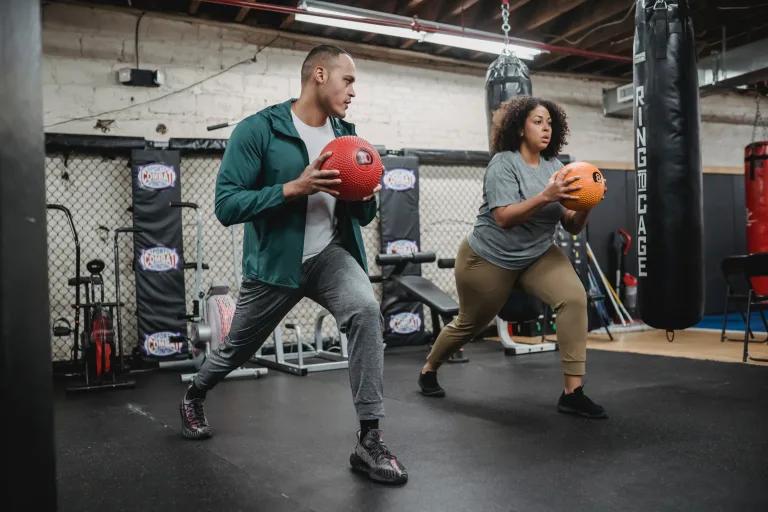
<point x="506" y="78"/>
<point x="755" y="183"/>
<point x="668" y="163"/>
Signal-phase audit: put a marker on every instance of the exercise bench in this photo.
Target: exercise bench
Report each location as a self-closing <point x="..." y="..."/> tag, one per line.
<point x="443" y="308"/>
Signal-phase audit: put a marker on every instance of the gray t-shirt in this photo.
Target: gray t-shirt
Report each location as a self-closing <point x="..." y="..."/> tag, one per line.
<point x="509" y="180"/>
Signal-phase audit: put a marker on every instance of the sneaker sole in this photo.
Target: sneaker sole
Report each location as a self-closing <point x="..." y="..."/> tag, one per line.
<point x="568" y="410"/>
<point x="438" y="393"/>
<point x="195" y="434"/>
<point x="359" y="465"/>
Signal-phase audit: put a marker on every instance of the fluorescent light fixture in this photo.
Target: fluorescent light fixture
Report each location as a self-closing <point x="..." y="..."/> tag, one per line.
<point x="469" y="43"/>
<point x="356" y="25"/>
<point x="480" y="45"/>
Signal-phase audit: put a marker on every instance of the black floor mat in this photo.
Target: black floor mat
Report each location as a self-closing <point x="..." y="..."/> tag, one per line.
<point x="682" y="435"/>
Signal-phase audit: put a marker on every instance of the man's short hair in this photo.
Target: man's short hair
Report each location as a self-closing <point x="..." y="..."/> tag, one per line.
<point x="323" y="55"/>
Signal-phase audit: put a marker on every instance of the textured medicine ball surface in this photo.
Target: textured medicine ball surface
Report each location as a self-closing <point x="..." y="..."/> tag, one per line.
<point x="359" y="166"/>
<point x="592" y="185"/>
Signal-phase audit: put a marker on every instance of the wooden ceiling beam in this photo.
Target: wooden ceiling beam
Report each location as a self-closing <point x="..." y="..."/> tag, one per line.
<point x="549" y="11"/>
<point x="591" y="16"/>
<point x="595" y="39"/>
<point x="412" y="5"/>
<point x="609" y="48"/>
<point x="242" y="14"/>
<point x="288" y="21"/>
<point x="458" y="6"/>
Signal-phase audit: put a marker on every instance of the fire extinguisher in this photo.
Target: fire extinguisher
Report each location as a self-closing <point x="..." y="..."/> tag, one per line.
<point x="630" y="294"/>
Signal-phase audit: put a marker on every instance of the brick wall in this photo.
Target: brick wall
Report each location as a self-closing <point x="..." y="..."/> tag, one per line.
<point x="397" y="105"/>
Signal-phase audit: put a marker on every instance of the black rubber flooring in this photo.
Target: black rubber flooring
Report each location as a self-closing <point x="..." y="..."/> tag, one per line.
<point x="682" y="435"/>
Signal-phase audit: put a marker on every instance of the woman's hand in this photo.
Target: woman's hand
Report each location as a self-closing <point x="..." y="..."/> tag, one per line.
<point x="559" y="187"/>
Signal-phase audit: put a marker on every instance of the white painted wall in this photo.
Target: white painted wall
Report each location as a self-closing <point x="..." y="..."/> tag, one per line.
<point x="396" y="105"/>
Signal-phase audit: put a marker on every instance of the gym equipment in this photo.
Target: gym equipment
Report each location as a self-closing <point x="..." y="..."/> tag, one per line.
<point x="507" y="76"/>
<point x="621" y="312"/>
<point x="211" y="315"/>
<point x="755" y="174"/>
<point x="505" y="322"/>
<point x="400" y="232"/>
<point x="359" y="166"/>
<point x="160" y="289"/>
<point x="621" y="242"/>
<point x="668" y="163"/>
<point x="597" y="299"/>
<point x="279" y="360"/>
<point x="100" y="362"/>
<point x="62" y="331"/>
<point x="98" y="337"/>
<point x="417" y="288"/>
<point x="520" y="309"/>
<point x="592" y="186"/>
<point x="119" y="308"/>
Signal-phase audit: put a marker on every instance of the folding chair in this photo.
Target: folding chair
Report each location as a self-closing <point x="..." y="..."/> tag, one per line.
<point x="733" y="271"/>
<point x="756" y="266"/>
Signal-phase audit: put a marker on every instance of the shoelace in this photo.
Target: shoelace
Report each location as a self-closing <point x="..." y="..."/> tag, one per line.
<point x="198" y="412"/>
<point x="380" y="452"/>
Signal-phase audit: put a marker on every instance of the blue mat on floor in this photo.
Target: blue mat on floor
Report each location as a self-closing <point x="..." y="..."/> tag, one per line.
<point x="734" y="322"/>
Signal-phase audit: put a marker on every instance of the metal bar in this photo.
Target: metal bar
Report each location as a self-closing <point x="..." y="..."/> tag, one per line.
<point x="429" y="27"/>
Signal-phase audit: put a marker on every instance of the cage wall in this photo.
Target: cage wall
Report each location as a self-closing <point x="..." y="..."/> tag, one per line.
<point x="97" y="190"/>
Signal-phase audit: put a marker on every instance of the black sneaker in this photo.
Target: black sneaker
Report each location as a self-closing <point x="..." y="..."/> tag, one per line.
<point x="429" y="386"/>
<point x="194" y="424"/>
<point x="578" y="403"/>
<point x="371" y="456"/>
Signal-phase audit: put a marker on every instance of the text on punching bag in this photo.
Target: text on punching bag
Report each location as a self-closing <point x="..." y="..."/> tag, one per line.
<point x="642" y="181"/>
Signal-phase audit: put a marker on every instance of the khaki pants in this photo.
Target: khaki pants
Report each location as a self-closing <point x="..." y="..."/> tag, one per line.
<point x="484" y="289"/>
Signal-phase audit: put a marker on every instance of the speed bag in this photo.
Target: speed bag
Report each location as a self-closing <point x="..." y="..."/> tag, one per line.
<point x="668" y="163"/>
<point x="219" y="312"/>
<point x="755" y="183"/>
<point x="506" y="78"/>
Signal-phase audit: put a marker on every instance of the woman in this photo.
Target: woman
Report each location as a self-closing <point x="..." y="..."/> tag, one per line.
<point x="512" y="243"/>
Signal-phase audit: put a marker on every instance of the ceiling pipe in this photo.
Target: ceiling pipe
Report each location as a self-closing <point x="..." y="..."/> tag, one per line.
<point x="425" y="27"/>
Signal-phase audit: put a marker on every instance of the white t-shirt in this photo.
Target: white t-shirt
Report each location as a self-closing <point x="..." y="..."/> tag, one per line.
<point x="321" y="208"/>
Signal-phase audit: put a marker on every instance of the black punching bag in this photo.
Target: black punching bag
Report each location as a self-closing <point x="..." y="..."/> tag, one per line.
<point x="506" y="78"/>
<point x="668" y="163"/>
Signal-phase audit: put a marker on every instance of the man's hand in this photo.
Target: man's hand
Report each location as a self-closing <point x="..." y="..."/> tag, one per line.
<point x="313" y="180"/>
<point x="368" y="198"/>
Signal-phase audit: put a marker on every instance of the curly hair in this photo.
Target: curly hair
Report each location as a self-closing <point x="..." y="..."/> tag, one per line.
<point x="509" y="121"/>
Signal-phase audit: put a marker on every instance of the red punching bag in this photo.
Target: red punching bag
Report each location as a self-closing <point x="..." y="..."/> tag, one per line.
<point x="756" y="189"/>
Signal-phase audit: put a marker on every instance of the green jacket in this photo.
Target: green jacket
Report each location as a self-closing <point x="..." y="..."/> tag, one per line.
<point x="264" y="152"/>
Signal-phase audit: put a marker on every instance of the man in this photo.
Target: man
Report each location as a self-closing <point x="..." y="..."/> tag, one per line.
<point x="300" y="241"/>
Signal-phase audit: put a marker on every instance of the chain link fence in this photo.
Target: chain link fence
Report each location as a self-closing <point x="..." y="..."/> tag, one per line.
<point x="98" y="191"/>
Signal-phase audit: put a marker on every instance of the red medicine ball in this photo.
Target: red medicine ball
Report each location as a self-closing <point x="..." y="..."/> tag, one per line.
<point x="359" y="166"/>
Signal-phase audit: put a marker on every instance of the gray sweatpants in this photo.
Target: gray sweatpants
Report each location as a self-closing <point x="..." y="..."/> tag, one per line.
<point x="334" y="280"/>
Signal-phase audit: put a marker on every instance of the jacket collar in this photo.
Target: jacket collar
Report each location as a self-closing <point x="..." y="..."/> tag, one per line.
<point x="282" y="121"/>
